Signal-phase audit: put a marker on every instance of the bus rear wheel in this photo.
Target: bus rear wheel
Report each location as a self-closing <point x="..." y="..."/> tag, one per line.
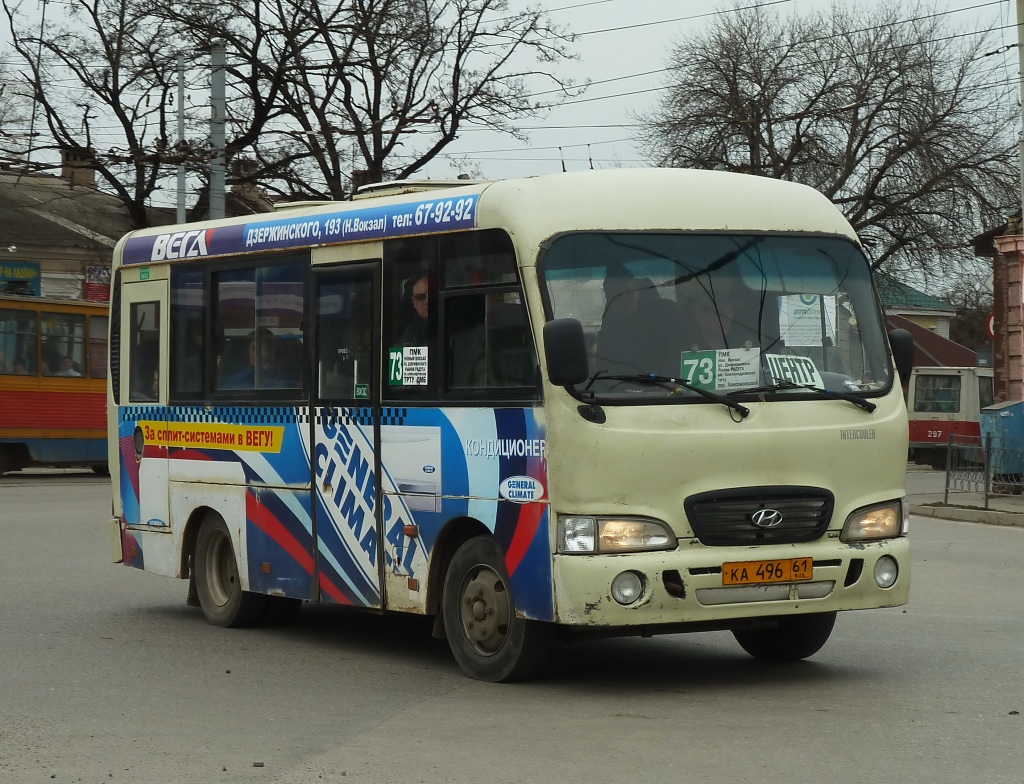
<point x="795" y="638"/>
<point x="489" y="641"/>
<point x="221" y="597"/>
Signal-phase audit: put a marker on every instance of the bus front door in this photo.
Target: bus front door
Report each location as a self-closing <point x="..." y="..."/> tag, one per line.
<point x="344" y="455"/>
<point x="143" y="397"/>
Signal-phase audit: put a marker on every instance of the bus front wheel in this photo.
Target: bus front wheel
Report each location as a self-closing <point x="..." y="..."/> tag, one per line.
<point x="489" y="641"/>
<point x="221" y="597"/>
<point x="796" y="637"/>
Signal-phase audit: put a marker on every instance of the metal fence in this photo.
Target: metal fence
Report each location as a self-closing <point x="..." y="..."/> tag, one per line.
<point x="991" y="465"/>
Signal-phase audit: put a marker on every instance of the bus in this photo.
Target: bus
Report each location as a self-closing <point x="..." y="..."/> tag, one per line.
<point x="53" y="385"/>
<point x="945" y="402"/>
<point x="626" y="402"/>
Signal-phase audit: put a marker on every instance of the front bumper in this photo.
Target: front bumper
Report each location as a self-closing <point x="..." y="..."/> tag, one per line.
<point x="685" y="585"/>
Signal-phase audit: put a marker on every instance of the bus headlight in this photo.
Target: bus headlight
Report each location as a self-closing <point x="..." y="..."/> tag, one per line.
<point x="577" y="534"/>
<point x="884" y="521"/>
<point x="613" y="535"/>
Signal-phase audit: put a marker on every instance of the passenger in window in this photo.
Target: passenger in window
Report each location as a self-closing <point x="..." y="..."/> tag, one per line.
<point x="710" y="308"/>
<point x="52" y="358"/>
<point x="67" y="368"/>
<point x="417" y="331"/>
<point x="261" y="370"/>
<point x="638" y="328"/>
<point x="245" y="378"/>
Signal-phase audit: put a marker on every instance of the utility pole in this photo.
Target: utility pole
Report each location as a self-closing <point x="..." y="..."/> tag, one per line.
<point x="39" y="59"/>
<point x="1020" y="76"/>
<point x="218" y="61"/>
<point x="181" y="138"/>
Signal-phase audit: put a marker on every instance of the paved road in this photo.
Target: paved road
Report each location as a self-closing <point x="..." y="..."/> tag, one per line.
<point x="106" y="676"/>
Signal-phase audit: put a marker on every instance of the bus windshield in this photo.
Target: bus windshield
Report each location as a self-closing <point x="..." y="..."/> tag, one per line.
<point x="757" y="314"/>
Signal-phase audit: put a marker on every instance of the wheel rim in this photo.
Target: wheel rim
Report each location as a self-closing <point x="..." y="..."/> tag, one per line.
<point x="484" y="610"/>
<point x="221" y="573"/>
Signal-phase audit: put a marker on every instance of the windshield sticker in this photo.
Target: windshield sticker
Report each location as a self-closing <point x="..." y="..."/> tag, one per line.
<point x="805" y="318"/>
<point x="799" y="370"/>
<point x="407" y="366"/>
<point x="723" y="369"/>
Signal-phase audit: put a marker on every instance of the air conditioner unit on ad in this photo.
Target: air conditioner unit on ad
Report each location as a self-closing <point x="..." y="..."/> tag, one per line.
<point x="411" y="456"/>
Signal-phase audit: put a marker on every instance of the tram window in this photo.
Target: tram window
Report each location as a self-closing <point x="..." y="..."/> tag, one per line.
<point x="98" y="347"/>
<point x="937" y="394"/>
<point x="17" y="342"/>
<point x="63" y="345"/>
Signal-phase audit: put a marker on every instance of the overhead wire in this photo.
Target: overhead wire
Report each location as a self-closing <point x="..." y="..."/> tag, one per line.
<point x="98" y="129"/>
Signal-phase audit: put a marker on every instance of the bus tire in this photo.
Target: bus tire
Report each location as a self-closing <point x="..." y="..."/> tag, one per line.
<point x="221" y="597"/>
<point x="795" y="638"/>
<point x="488" y="640"/>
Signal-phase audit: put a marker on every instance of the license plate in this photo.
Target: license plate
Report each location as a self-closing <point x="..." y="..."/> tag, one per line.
<point x="785" y="570"/>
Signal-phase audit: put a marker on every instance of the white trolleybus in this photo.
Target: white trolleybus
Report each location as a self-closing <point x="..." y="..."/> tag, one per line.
<point x="631" y="402"/>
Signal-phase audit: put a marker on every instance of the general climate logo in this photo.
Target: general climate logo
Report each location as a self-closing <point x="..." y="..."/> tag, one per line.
<point x="521" y="489"/>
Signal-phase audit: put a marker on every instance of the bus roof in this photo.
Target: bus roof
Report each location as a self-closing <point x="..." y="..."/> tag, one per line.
<point x="535" y="208"/>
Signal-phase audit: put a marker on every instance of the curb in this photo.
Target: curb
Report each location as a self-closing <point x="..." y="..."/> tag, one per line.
<point x="969" y="514"/>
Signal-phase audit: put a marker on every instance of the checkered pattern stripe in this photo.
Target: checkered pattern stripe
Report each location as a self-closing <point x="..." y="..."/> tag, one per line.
<point x="393" y="416"/>
<point x="236" y="415"/>
<point x="361" y="416"/>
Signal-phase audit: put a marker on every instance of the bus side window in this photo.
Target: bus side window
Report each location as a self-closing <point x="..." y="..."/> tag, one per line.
<point x="410" y="319"/>
<point x="512" y="360"/>
<point x="144" y="360"/>
<point x="258" y="316"/>
<point x="188" y="355"/>
<point x="489" y="344"/>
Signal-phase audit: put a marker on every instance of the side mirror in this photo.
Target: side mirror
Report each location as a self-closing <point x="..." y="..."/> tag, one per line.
<point x="565" y="351"/>
<point x="902" y="344"/>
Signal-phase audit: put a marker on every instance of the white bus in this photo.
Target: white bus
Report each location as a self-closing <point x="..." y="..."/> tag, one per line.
<point x="632" y="401"/>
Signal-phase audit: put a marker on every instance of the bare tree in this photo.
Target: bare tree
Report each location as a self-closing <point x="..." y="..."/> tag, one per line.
<point x="971" y="295"/>
<point x="317" y="88"/>
<point x="885" y="110"/>
<point x="264" y="42"/>
<point x="102" y="72"/>
<point x="386" y="85"/>
<point x="104" y="77"/>
<point x="14" y="118"/>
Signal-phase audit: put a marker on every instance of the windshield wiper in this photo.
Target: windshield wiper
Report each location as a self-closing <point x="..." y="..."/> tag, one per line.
<point x="785" y="384"/>
<point x="675" y="383"/>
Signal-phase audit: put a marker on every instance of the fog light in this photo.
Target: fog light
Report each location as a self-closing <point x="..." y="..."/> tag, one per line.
<point x="627" y="587"/>
<point x="886" y="571"/>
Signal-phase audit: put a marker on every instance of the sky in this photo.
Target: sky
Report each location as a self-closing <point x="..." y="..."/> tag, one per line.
<point x="622" y="48"/>
<point x="623" y="38"/>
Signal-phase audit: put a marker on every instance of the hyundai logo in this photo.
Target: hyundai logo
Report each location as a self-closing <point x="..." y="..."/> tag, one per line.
<point x="766" y="518"/>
